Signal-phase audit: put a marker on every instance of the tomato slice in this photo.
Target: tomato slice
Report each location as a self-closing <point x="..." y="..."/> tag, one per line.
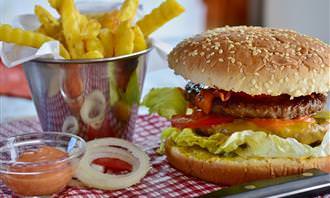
<point x="190" y="121"/>
<point x="113" y="164"/>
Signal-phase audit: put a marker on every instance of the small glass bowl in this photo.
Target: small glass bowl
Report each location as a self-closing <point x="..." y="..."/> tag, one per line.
<point x="41" y="178"/>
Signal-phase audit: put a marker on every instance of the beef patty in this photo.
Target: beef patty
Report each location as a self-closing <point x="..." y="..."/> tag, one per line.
<point x="242" y="105"/>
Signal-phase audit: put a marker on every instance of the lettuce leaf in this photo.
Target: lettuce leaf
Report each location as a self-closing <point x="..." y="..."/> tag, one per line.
<point x="248" y="144"/>
<point x="325" y="115"/>
<point x="167" y="133"/>
<point x="166" y="102"/>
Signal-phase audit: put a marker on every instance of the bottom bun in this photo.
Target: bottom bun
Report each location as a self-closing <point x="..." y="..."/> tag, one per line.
<point x="236" y="170"/>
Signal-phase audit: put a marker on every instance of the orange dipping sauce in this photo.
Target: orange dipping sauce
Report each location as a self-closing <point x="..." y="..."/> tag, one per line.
<point x="52" y="177"/>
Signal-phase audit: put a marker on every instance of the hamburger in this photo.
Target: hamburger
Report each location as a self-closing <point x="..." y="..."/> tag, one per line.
<point x="253" y="107"/>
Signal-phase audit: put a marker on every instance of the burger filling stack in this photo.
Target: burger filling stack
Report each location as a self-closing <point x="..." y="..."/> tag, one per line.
<point x="254" y="106"/>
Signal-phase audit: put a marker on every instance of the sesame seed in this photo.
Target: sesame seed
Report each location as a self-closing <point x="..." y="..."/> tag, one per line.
<point x="220" y="51"/>
<point x="231" y="46"/>
<point x="221" y="60"/>
<point x="231" y="59"/>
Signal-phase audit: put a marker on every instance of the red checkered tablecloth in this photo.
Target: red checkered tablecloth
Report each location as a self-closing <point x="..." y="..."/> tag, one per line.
<point x="161" y="181"/>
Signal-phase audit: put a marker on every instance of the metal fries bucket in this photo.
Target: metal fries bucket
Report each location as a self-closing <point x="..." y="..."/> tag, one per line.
<point x="91" y="98"/>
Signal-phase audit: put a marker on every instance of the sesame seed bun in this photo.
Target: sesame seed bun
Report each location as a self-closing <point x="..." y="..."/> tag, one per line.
<point x="232" y="171"/>
<point x="255" y="60"/>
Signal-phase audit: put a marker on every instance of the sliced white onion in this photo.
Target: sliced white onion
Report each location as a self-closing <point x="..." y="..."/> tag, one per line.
<point x="70" y="125"/>
<point x="94" y="102"/>
<point x="104" y="148"/>
<point x="98" y="167"/>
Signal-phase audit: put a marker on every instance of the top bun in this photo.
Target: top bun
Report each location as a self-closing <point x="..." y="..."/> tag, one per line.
<point x="255" y="60"/>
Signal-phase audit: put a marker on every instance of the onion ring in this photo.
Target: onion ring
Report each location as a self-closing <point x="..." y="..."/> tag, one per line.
<point x="105" y="148"/>
<point x="70" y="125"/>
<point x="94" y="102"/>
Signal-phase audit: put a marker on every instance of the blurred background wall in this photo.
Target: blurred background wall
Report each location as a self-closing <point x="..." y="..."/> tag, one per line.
<point x="310" y="17"/>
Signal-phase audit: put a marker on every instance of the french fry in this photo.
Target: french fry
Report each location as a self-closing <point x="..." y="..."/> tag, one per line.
<point x="49" y="22"/>
<point x="41" y="29"/>
<point x="128" y="10"/>
<point x="94" y="44"/>
<point x="110" y="20"/>
<point x="49" y="25"/>
<point x="92" y="29"/>
<point x="92" y="55"/>
<point x="90" y="36"/>
<point x="106" y="38"/>
<point x="124" y="39"/>
<point x="139" y="40"/>
<point x="93" y="36"/>
<point x="83" y="22"/>
<point x="26" y="38"/>
<point x="159" y="16"/>
<point x="71" y="28"/>
<point x="56" y="4"/>
<point x="95" y="16"/>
